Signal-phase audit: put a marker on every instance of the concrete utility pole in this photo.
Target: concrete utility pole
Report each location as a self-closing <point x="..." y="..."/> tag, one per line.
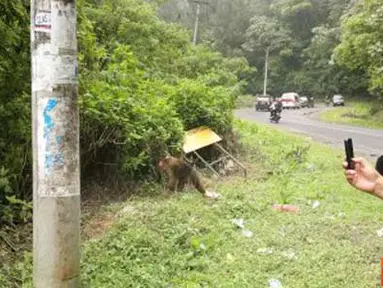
<point x="196" y="23"/>
<point x="56" y="165"/>
<point x="266" y="70"/>
<point x="195" y="34"/>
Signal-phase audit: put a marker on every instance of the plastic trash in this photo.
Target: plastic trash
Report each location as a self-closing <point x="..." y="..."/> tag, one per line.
<point x="239" y="222"/>
<point x="274" y="283"/>
<point x="380" y="232"/>
<point x="212" y="195"/>
<point x="316" y="204"/>
<point x="290" y="254"/>
<point x="247" y="233"/>
<point x="265" y="251"/>
<point x="286" y="208"/>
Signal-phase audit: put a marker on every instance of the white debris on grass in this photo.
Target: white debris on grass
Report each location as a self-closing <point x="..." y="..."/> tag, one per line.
<point x="265" y="251"/>
<point x="316" y="204"/>
<point x="275" y="283"/>
<point x="290" y="254"/>
<point x="247" y="233"/>
<point x="239" y="222"/>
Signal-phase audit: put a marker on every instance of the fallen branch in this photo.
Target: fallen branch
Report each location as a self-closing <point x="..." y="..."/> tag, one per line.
<point x="6" y="241"/>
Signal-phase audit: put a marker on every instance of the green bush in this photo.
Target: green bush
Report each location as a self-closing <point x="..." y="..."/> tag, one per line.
<point x="142" y="83"/>
<point x="200" y="105"/>
<point x="152" y="85"/>
<point x="15" y="128"/>
<point x="137" y="127"/>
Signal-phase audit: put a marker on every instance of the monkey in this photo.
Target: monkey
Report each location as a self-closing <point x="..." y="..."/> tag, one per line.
<point x="379" y="165"/>
<point x="180" y="172"/>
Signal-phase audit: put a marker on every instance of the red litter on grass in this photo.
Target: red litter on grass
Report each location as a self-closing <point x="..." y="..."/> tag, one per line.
<point x="286" y="208"/>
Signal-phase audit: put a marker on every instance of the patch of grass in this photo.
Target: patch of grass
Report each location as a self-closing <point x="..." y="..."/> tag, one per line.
<point x="245" y="101"/>
<point x="187" y="241"/>
<point x="365" y="114"/>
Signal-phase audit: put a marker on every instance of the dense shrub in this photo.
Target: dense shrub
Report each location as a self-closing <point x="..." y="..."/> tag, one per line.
<point x="200" y="105"/>
<point x="141" y="85"/>
<point x="15" y="128"/>
<point x="152" y="85"/>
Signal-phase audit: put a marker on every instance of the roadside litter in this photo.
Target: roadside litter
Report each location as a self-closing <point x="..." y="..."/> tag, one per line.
<point x="316" y="204"/>
<point x="265" y="251"/>
<point x="286" y="208"/>
<point x="380" y="232"/>
<point x="247" y="233"/>
<point x="274" y="283"/>
<point x="240" y="223"/>
<point x="290" y="254"/>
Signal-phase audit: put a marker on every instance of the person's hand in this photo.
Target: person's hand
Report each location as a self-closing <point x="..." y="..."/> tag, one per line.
<point x="364" y="177"/>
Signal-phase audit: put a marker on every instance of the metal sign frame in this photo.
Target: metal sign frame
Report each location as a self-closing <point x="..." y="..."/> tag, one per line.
<point x="202" y="137"/>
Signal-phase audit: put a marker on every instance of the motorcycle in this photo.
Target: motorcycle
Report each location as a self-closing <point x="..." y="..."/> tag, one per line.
<point x="275" y="116"/>
<point x="275" y="111"/>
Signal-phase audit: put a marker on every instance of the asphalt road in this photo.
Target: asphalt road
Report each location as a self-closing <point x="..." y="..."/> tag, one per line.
<point x="367" y="142"/>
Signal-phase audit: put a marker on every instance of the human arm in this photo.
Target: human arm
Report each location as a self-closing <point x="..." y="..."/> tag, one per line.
<point x="364" y="177"/>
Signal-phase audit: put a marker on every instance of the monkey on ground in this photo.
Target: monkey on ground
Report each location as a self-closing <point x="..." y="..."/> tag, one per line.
<point x="180" y="173"/>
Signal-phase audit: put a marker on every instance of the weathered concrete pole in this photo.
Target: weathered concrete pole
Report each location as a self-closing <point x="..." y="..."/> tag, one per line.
<point x="266" y="71"/>
<point x="195" y="34"/>
<point x="56" y="172"/>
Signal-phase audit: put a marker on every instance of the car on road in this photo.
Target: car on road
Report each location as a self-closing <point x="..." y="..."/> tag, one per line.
<point x="304" y="101"/>
<point x="337" y="100"/>
<point x="290" y="100"/>
<point x="262" y="102"/>
<point x="311" y="102"/>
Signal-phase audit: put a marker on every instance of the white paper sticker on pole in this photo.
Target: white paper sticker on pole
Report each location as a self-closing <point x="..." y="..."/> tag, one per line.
<point x="43" y="21"/>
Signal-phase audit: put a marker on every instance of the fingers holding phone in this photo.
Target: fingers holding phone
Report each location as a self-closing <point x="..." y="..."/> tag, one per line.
<point x="349" y="151"/>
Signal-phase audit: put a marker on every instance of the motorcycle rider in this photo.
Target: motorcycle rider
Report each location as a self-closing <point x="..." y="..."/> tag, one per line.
<point x="275" y="108"/>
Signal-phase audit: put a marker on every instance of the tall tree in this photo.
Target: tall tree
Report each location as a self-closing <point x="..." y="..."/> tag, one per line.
<point x="361" y="46"/>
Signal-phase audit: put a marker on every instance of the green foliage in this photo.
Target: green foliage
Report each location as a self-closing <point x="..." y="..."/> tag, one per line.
<point x="357" y="113"/>
<point x="18" y="274"/>
<point x="15" y="128"/>
<point x="142" y="84"/>
<point x="301" y="36"/>
<point x="361" y="43"/>
<point x="245" y="101"/>
<point x="185" y="241"/>
<point x="265" y="33"/>
<point x="149" y="86"/>
<point x="200" y="105"/>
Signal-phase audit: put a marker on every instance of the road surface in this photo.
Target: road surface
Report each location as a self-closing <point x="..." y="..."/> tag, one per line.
<point x="367" y="142"/>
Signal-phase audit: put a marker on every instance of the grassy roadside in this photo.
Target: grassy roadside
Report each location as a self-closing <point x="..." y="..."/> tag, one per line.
<point x="355" y="113"/>
<point x="245" y="101"/>
<point x="187" y="241"/>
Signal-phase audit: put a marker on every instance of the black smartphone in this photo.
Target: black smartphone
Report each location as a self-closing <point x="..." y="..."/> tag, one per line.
<point x="349" y="150"/>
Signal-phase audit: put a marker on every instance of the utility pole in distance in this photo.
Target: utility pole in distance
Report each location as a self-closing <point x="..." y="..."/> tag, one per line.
<point x="195" y="34"/>
<point x="266" y="71"/>
<point x="196" y="23"/>
<point x="55" y="128"/>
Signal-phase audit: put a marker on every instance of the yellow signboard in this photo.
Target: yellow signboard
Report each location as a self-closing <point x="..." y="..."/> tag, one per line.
<point x="198" y="138"/>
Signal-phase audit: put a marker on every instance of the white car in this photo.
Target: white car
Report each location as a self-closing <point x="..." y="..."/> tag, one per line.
<point x="304" y="101"/>
<point x="290" y="100"/>
<point x="337" y="100"/>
